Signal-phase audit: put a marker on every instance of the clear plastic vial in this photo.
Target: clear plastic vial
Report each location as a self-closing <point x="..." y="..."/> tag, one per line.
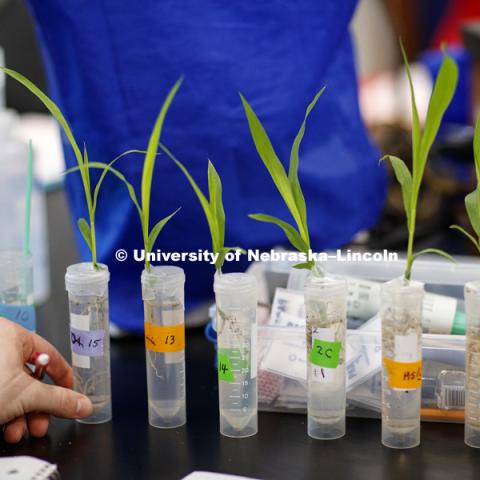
<point x="401" y="315"/>
<point x="326" y="318"/>
<point x="87" y="288"/>
<point x="16" y="288"/>
<point x="163" y="300"/>
<point x="236" y="305"/>
<point x="472" y="365"/>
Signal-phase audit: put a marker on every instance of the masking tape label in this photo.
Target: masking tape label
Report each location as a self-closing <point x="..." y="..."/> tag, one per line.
<point x="79" y="323"/>
<point x="404" y="375"/>
<point x="406" y="348"/>
<point x="24" y="315"/>
<point x="165" y="339"/>
<point x="80" y="361"/>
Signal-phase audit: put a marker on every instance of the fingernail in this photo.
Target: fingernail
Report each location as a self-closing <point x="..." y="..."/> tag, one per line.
<point x="83" y="407"/>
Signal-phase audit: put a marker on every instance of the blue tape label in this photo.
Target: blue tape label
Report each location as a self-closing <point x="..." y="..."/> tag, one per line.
<point x="24" y="315"/>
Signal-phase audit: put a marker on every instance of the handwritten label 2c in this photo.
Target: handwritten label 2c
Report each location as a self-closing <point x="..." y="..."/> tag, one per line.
<point x="87" y="342"/>
<point x="325" y="354"/>
<point x="162" y="339"/>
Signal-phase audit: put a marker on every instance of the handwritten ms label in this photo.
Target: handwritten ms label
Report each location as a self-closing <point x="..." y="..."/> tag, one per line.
<point x="162" y="339"/>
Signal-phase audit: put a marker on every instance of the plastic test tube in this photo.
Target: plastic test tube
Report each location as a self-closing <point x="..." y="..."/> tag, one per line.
<point x="87" y="288"/>
<point x="325" y="309"/>
<point x="16" y="288"/>
<point x="163" y="297"/>
<point x="402" y="362"/>
<point x="236" y="305"/>
<point x="472" y="365"/>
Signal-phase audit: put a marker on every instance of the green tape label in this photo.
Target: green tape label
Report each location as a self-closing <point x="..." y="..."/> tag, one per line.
<point x="225" y="371"/>
<point x="325" y="354"/>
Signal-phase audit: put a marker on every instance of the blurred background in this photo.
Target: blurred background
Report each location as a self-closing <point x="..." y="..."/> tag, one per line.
<point x="384" y="104"/>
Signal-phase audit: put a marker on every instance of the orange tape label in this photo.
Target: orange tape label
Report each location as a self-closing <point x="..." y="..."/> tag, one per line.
<point x="165" y="339"/>
<point x="404" y="375"/>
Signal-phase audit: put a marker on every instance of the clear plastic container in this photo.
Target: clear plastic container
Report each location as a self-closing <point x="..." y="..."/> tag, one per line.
<point x="325" y="308"/>
<point x="16" y="288"/>
<point x="13" y="164"/>
<point x="402" y="362"/>
<point x="472" y="365"/>
<point x="87" y="288"/>
<point x="236" y="303"/>
<point x="163" y="299"/>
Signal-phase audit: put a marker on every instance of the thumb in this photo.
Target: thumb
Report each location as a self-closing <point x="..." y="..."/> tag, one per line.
<point x="57" y="401"/>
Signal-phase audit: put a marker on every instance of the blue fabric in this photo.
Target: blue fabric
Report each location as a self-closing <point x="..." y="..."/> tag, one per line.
<point x="110" y="65"/>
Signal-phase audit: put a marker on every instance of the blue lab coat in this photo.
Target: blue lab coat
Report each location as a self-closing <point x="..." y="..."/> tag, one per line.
<point x="110" y="64"/>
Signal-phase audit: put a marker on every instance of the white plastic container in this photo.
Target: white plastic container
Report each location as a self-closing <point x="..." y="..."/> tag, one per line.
<point x="87" y="288"/>
<point x="236" y="303"/>
<point x="163" y="298"/>
<point x="325" y="308"/>
<point x="472" y="365"/>
<point x="16" y="289"/>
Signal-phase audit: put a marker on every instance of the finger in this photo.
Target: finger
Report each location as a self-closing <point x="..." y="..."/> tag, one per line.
<point x="38" y="424"/>
<point x="15" y="430"/>
<point x="58" y="369"/>
<point x="54" y="400"/>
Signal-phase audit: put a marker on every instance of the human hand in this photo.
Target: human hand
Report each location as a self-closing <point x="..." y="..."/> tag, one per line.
<point x="25" y="402"/>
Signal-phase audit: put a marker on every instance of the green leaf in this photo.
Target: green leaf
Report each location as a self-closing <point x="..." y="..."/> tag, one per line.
<point x="416" y="131"/>
<point x="304" y="266"/>
<point x="150" y="156"/>
<point x="216" y="204"/>
<point x="152" y="238"/>
<point x="436" y="251"/>
<point x="86" y="176"/>
<point x="473" y="212"/>
<point x="294" y="162"/>
<point x="468" y="235"/>
<point x="85" y="231"/>
<point x="476" y="149"/>
<point x="51" y="106"/>
<point x="119" y="175"/>
<point x="221" y="257"/>
<point x="404" y="178"/>
<point x="104" y="174"/>
<point x="476" y="155"/>
<point x="203" y="201"/>
<point x="271" y="161"/>
<point x="443" y="91"/>
<point x="293" y="236"/>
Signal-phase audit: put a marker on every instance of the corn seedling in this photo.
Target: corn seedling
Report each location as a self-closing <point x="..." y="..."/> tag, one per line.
<point x="442" y="94"/>
<point x="472" y="200"/>
<point x="87" y="228"/>
<point x="143" y="206"/>
<point x="212" y="207"/>
<point x="288" y="185"/>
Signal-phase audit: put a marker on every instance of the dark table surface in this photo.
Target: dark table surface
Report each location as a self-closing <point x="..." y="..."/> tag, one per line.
<point x="128" y="448"/>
